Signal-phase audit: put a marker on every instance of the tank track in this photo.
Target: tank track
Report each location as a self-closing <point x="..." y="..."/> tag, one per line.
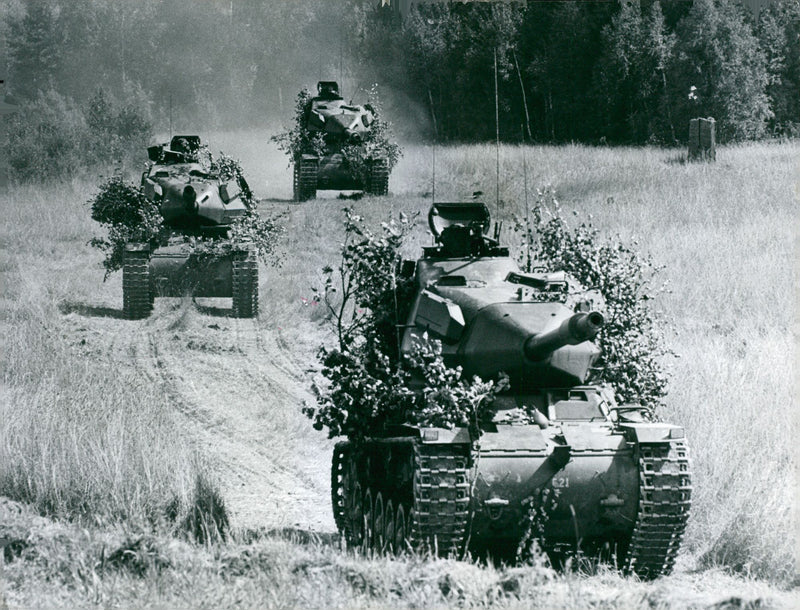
<point x="305" y="179"/>
<point x="137" y="298"/>
<point x="664" y="500"/>
<point x="341" y="455"/>
<point x="440" y="516"/>
<point x="378" y="178"/>
<point x="245" y="285"/>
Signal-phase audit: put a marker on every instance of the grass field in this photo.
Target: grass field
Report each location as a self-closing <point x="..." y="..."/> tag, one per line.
<point x="105" y="424"/>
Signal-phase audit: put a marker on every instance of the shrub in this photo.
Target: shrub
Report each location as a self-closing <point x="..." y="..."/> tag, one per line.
<point x="44" y="138"/>
<point x="128" y="215"/>
<point x="298" y="139"/>
<point x="632" y="338"/>
<point x="368" y="384"/>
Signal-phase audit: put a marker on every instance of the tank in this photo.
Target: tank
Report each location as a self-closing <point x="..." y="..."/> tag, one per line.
<point x="194" y="202"/>
<point x="560" y="461"/>
<point x="340" y="124"/>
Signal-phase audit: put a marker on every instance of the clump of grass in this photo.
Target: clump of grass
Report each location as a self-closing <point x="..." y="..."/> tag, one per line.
<point x="206" y="520"/>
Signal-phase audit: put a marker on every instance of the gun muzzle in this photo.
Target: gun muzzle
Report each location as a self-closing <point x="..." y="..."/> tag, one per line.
<point x="572" y="331"/>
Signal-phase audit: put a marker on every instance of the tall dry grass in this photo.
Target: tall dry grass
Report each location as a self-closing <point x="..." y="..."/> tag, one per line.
<point x="81" y="436"/>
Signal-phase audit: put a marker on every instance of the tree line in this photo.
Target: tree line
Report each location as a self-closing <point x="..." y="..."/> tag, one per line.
<point x="620" y="72"/>
<point x="633" y="71"/>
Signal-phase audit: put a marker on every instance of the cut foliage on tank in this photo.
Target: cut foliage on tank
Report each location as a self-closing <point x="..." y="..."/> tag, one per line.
<point x="476" y="413"/>
<point x="337" y="145"/>
<point x="191" y="227"/>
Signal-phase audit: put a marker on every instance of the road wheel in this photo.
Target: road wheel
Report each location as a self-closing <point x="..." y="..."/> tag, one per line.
<point x="245" y="284"/>
<point x="137" y="297"/>
<point x="367" y="520"/>
<point x="305" y="179"/>
<point x="378" y="515"/>
<point x="389" y="526"/>
<point x="354" y="512"/>
<point x="399" y="539"/>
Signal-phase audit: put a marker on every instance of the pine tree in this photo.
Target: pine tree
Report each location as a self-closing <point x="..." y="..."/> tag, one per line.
<point x="34" y="46"/>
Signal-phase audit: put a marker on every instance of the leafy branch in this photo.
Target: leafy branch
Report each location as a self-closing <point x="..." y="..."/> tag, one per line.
<point x="632" y="339"/>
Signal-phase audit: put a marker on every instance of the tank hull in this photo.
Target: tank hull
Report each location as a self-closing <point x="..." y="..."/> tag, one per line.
<point x="169" y="271"/>
<point x="334" y="174"/>
<point x="518" y="483"/>
<point x="173" y="275"/>
<point x="585" y="493"/>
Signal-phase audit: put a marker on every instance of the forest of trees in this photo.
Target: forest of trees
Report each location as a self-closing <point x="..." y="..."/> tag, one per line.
<point x="87" y="72"/>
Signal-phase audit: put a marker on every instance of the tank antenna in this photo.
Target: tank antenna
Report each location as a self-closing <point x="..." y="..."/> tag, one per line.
<point x="433" y="187"/>
<point x="435" y="135"/>
<point x="497" y="129"/>
<point x="527" y="208"/>
<point x="170" y="117"/>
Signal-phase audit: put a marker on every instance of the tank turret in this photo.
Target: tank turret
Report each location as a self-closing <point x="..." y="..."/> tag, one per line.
<point x="492" y="318"/>
<point x="188" y="194"/>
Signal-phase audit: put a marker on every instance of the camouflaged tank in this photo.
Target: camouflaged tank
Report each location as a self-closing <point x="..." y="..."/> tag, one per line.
<point x="340" y="124"/>
<point x="560" y="462"/>
<point x="194" y="203"/>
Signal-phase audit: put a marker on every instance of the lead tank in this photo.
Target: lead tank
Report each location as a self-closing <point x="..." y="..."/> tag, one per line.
<point x="560" y="462"/>
<point x="194" y="203"/>
<point x="340" y="124"/>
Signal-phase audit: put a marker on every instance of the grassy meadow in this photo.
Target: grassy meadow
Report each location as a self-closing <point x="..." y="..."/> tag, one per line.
<point x="110" y="430"/>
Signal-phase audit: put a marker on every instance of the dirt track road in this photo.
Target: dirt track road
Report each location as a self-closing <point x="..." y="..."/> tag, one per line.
<point x="237" y="391"/>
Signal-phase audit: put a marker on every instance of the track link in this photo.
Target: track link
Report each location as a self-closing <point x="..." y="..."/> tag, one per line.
<point x="440" y="515"/>
<point x="245" y="285"/>
<point x="664" y="499"/>
<point x="339" y="463"/>
<point x="137" y="297"/>
<point x="306" y="178"/>
<point x="378" y="177"/>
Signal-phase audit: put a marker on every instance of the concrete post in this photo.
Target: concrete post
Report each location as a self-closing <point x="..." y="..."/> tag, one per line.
<point x="702" y="139"/>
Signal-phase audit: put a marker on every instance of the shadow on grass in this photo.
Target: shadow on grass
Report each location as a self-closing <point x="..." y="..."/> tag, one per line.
<point x="677" y="159"/>
<point x="352" y="196"/>
<point x="214" y="312"/>
<point x="90" y="311"/>
<point x="292" y="534"/>
<point x="277" y="200"/>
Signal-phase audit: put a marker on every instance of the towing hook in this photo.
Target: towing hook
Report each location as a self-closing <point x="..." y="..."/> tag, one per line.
<point x="495" y="507"/>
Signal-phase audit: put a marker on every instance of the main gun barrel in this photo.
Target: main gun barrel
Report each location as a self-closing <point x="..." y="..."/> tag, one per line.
<point x="572" y="331"/>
